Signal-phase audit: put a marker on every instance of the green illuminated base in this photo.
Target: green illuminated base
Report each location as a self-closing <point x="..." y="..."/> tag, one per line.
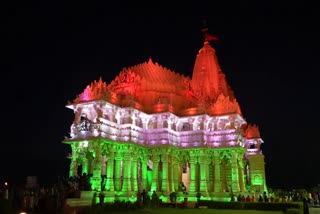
<point x="88" y="198"/>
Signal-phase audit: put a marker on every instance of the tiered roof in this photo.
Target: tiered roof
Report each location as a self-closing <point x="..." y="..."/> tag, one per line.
<point x="149" y="84"/>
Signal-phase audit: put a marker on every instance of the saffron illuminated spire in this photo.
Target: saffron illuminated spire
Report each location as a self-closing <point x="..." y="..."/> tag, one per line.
<point x="207" y="77"/>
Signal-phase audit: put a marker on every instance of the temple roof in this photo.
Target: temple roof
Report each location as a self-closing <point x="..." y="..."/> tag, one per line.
<point x="150" y="84"/>
<point x="153" y="72"/>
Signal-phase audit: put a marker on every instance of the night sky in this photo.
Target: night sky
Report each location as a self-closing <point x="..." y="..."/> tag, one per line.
<point x="52" y="52"/>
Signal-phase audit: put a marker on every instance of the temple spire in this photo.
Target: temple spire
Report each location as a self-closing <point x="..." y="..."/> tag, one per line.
<point x="207" y="77"/>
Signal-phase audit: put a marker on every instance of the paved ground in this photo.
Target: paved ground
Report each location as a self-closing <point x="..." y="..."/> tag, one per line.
<point x="314" y="210"/>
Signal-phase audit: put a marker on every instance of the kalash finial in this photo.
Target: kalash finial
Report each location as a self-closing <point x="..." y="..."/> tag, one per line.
<point x="207" y="36"/>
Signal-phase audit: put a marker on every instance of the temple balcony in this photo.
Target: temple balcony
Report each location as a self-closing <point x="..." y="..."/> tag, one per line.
<point x="223" y="144"/>
<point x="161" y="136"/>
<point x="221" y="135"/>
<point x="85" y="134"/>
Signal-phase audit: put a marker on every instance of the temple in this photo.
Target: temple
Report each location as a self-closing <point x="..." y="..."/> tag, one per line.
<point x="154" y="129"/>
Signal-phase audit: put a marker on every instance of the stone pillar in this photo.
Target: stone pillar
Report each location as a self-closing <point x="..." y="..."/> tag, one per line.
<point x="165" y="169"/>
<point x="144" y="174"/>
<point x="134" y="174"/>
<point x="235" y="172"/>
<point x="180" y="171"/>
<point x="192" y="161"/>
<point x="73" y="167"/>
<point x="145" y="123"/>
<point x="175" y="174"/>
<point x="204" y="173"/>
<point x="217" y="172"/>
<point x="241" y="176"/>
<point x="155" y="172"/>
<point x="211" y="175"/>
<point x="90" y="165"/>
<point x="110" y="168"/>
<point x="170" y="173"/>
<point x="103" y="165"/>
<point x="117" y="170"/>
<point x="96" y="178"/>
<point x="126" y="172"/>
<point x="73" y="171"/>
<point x="118" y="117"/>
<point x="133" y="118"/>
<point x="85" y="166"/>
<point x="159" y="123"/>
<point x="169" y="124"/>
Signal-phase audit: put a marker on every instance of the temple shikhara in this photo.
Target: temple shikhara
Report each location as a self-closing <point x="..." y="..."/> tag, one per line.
<point x="154" y="129"/>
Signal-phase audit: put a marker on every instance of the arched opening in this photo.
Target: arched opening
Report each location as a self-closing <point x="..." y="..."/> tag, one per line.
<point x="185" y="127"/>
<point x="150" y="125"/>
<point x="79" y="170"/>
<point x="105" y="116"/>
<point x="127" y="120"/>
<point x="165" y="124"/>
<point x="139" y="123"/>
<point x="224" y="175"/>
<point x="185" y="178"/>
<point x="174" y="127"/>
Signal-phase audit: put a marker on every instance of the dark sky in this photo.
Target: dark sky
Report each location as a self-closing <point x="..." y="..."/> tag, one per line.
<point x="269" y="53"/>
